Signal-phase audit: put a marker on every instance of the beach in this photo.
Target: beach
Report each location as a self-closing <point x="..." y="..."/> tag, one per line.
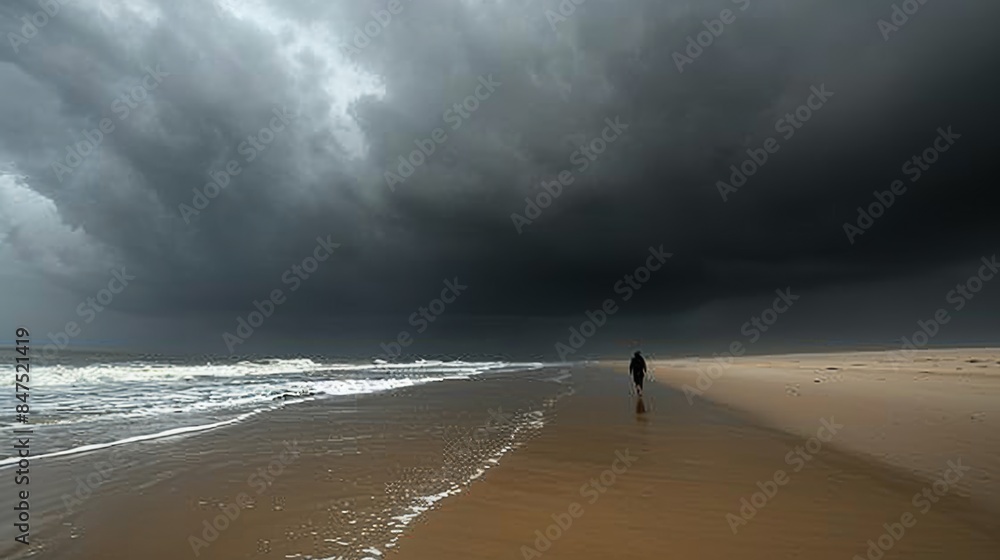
<point x="797" y="456"/>
<point x="715" y="479"/>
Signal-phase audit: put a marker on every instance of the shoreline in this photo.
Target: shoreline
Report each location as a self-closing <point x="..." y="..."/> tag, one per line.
<point x="368" y="466"/>
<point x="565" y="460"/>
<point x="710" y="481"/>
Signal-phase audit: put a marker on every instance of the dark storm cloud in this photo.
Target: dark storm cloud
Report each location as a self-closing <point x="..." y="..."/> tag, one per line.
<point x="227" y="71"/>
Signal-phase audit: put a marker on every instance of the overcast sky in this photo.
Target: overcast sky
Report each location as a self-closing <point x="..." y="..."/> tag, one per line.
<point x="181" y="84"/>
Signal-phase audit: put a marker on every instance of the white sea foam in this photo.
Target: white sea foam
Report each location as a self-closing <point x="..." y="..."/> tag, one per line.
<point x="156" y="371"/>
<point x="89" y="407"/>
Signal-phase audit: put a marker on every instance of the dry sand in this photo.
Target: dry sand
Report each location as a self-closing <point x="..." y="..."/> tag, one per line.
<point x="915" y="415"/>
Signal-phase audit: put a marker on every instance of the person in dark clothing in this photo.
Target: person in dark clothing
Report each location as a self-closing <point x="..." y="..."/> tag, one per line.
<point x="637" y="367"/>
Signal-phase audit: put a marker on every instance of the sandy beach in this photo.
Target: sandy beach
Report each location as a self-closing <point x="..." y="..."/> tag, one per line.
<point x="798" y="456"/>
<point x="364" y="279"/>
<point x="757" y="473"/>
<point x="912" y="412"/>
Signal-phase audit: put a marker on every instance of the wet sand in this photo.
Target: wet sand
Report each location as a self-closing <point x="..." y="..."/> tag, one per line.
<point x="695" y="464"/>
<point x="741" y="470"/>
<point x="357" y="473"/>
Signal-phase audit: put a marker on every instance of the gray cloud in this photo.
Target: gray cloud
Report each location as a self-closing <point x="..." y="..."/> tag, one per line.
<point x="231" y="64"/>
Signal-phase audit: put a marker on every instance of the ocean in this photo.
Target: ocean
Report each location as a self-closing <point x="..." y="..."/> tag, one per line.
<point x="90" y="401"/>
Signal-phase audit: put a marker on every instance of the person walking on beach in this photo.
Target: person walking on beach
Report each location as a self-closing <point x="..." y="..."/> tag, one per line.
<point x="637" y="367"/>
